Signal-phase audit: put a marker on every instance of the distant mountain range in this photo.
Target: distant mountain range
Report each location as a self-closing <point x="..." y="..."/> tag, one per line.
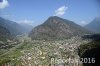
<point x="57" y="28"/>
<point x="13" y="27"/>
<point x="94" y="25"/>
<point x="10" y="29"/>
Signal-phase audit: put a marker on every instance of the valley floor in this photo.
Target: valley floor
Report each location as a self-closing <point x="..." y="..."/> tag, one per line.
<point x="42" y="53"/>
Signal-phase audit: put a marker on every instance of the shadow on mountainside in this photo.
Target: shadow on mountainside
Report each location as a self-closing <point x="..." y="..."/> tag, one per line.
<point x="90" y="53"/>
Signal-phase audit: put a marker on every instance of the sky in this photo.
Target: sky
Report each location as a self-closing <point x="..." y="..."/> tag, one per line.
<point x="35" y="12"/>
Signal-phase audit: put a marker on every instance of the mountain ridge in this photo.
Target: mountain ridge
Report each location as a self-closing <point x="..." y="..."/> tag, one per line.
<point x="94" y="25"/>
<point x="14" y="27"/>
<point x="57" y="28"/>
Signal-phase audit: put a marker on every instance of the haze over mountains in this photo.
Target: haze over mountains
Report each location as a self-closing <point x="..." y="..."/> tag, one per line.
<point x="10" y="29"/>
<point x="53" y="28"/>
<point x="57" y="28"/>
<point x="14" y="28"/>
<point x="94" y="25"/>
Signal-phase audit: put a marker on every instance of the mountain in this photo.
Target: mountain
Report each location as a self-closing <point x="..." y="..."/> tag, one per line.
<point x="13" y="27"/>
<point x="94" y="25"/>
<point x="57" y="28"/>
<point x="4" y="34"/>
